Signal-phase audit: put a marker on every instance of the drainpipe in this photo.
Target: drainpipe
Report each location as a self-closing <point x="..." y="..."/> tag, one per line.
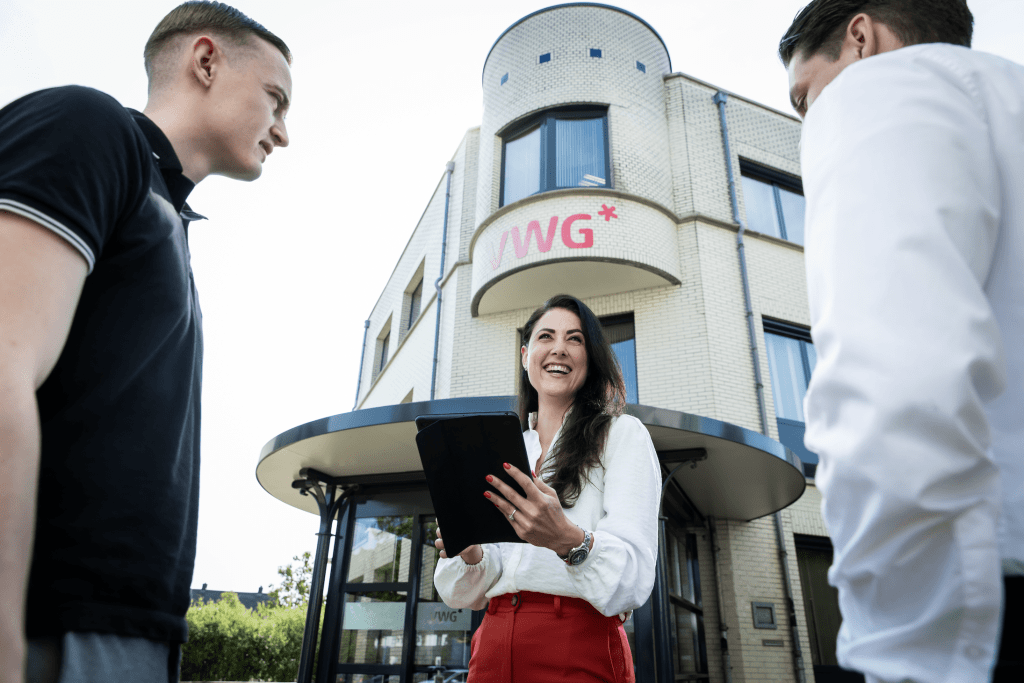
<point x="362" y="357"/>
<point x="720" y="99"/>
<point x="449" y="167"/>
<point x="723" y="628"/>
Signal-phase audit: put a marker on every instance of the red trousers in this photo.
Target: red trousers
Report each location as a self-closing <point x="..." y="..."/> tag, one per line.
<point x="538" y="638"/>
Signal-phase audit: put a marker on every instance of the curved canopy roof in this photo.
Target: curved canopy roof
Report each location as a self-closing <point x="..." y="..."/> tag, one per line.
<point x="733" y="473"/>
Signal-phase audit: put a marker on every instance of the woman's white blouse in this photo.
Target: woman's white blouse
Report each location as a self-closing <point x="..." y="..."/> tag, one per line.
<point x="619" y="505"/>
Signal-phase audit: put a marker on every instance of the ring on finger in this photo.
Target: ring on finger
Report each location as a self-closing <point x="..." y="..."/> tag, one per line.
<point x="510" y="517"/>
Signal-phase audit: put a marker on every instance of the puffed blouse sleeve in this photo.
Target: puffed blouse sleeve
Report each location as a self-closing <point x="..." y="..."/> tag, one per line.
<point x="462" y="585"/>
<point x="619" y="573"/>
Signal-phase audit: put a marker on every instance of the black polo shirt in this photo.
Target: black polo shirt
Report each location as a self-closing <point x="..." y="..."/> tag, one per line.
<point x="119" y="482"/>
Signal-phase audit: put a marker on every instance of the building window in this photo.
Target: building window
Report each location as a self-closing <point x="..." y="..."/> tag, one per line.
<point x="545" y="58"/>
<point x="384" y="351"/>
<point x="791" y="359"/>
<point x="774" y="202"/>
<point x="621" y="334"/>
<point x="685" y="613"/>
<point x="558" y="149"/>
<point x="595" y="52"/>
<point x="415" y="300"/>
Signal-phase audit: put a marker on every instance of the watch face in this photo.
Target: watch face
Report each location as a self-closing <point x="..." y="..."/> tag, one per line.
<point x="578" y="557"/>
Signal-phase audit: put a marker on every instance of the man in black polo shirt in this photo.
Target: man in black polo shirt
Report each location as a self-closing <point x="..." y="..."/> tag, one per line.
<point x="101" y="345"/>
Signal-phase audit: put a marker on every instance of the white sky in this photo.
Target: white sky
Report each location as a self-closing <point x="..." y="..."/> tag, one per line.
<point x="288" y="268"/>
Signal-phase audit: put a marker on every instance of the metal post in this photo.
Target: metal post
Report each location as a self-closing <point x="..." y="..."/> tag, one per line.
<point x="334" y="612"/>
<point x="325" y="501"/>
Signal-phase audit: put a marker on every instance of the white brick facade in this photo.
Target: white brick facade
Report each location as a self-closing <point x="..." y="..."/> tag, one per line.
<point x="674" y="243"/>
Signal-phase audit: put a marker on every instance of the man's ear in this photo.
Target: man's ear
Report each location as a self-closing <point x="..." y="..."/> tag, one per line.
<point x="204" y="60"/>
<point x="863" y="37"/>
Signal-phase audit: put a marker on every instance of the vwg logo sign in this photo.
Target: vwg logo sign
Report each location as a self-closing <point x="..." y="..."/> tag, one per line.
<point x="544" y="240"/>
<point x="437" y="616"/>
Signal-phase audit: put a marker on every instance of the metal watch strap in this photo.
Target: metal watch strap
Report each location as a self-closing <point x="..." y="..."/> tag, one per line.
<point x="583" y="546"/>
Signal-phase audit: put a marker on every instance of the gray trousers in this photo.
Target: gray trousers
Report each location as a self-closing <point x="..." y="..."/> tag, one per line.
<point x="101" y="658"/>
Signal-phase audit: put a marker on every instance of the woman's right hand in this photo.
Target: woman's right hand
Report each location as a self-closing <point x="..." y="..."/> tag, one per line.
<point x="471" y="555"/>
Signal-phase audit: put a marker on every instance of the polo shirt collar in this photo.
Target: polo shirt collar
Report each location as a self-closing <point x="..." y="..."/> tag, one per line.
<point x="178" y="185"/>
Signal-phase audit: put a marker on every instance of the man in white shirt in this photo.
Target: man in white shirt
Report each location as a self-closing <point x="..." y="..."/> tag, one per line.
<point x="913" y="168"/>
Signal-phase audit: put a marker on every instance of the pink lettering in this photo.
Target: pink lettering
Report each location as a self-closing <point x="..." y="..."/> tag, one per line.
<point x="588" y="234"/>
<point x="496" y="261"/>
<point x="534" y="229"/>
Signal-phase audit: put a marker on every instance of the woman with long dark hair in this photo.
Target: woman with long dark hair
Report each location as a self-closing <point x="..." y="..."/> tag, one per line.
<point x="556" y="604"/>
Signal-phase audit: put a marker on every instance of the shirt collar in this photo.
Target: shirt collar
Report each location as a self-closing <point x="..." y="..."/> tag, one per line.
<point x="178" y="185"/>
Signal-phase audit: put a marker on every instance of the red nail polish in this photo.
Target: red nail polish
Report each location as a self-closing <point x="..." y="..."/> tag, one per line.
<point x="533" y="473"/>
<point x="489" y="478"/>
<point x="507" y="466"/>
<point x="487" y="494"/>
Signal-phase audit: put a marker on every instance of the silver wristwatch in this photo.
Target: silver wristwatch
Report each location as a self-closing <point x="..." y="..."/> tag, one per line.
<point x="578" y="555"/>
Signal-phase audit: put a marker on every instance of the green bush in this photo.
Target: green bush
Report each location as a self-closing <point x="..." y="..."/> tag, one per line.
<point x="227" y="642"/>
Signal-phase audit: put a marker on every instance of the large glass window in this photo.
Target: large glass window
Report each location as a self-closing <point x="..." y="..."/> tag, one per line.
<point x="774" y="202"/>
<point x="686" y="616"/>
<point x="791" y="360"/>
<point x="621" y="334"/>
<point x="558" y="149"/>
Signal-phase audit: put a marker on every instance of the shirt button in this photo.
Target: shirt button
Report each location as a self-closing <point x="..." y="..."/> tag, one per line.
<point x="515" y="600"/>
<point x="975" y="652"/>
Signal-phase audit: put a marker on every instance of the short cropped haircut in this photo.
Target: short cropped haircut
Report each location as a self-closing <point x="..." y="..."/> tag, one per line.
<point x="214" y="17"/>
<point x="819" y="27"/>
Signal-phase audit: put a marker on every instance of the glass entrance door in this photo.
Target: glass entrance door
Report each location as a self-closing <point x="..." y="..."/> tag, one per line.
<point x="395" y="627"/>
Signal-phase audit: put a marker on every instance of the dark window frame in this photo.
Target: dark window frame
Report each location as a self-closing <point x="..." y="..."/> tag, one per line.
<point x="548" y="147"/>
<point x="776" y="179"/>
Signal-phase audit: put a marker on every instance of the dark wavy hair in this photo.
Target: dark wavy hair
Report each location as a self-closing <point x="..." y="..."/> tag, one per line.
<point x="602" y="396"/>
<point x="821" y="25"/>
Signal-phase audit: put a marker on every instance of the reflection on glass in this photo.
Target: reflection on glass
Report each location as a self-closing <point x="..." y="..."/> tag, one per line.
<point x="381" y="550"/>
<point x="759" y="198"/>
<point x="442" y="633"/>
<point x="430" y="557"/>
<point x="522" y="167"/>
<point x="792" y="214"/>
<point x="373" y="628"/>
<point x="625" y="352"/>
<point x="579" y="160"/>
<point x="367" y="678"/>
<point x="787" y="370"/>
<point x="684" y="640"/>
<point x="679" y="567"/>
<point x="812" y="358"/>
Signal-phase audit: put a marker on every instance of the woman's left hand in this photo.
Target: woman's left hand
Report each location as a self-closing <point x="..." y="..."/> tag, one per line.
<point x="539" y="519"/>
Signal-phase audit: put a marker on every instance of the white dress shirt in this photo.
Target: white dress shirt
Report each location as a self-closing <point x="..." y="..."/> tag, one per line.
<point x="913" y="167"/>
<point x="619" y="505"/>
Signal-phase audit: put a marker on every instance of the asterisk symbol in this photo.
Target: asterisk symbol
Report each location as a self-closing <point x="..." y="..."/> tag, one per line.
<point x="608" y="213"/>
